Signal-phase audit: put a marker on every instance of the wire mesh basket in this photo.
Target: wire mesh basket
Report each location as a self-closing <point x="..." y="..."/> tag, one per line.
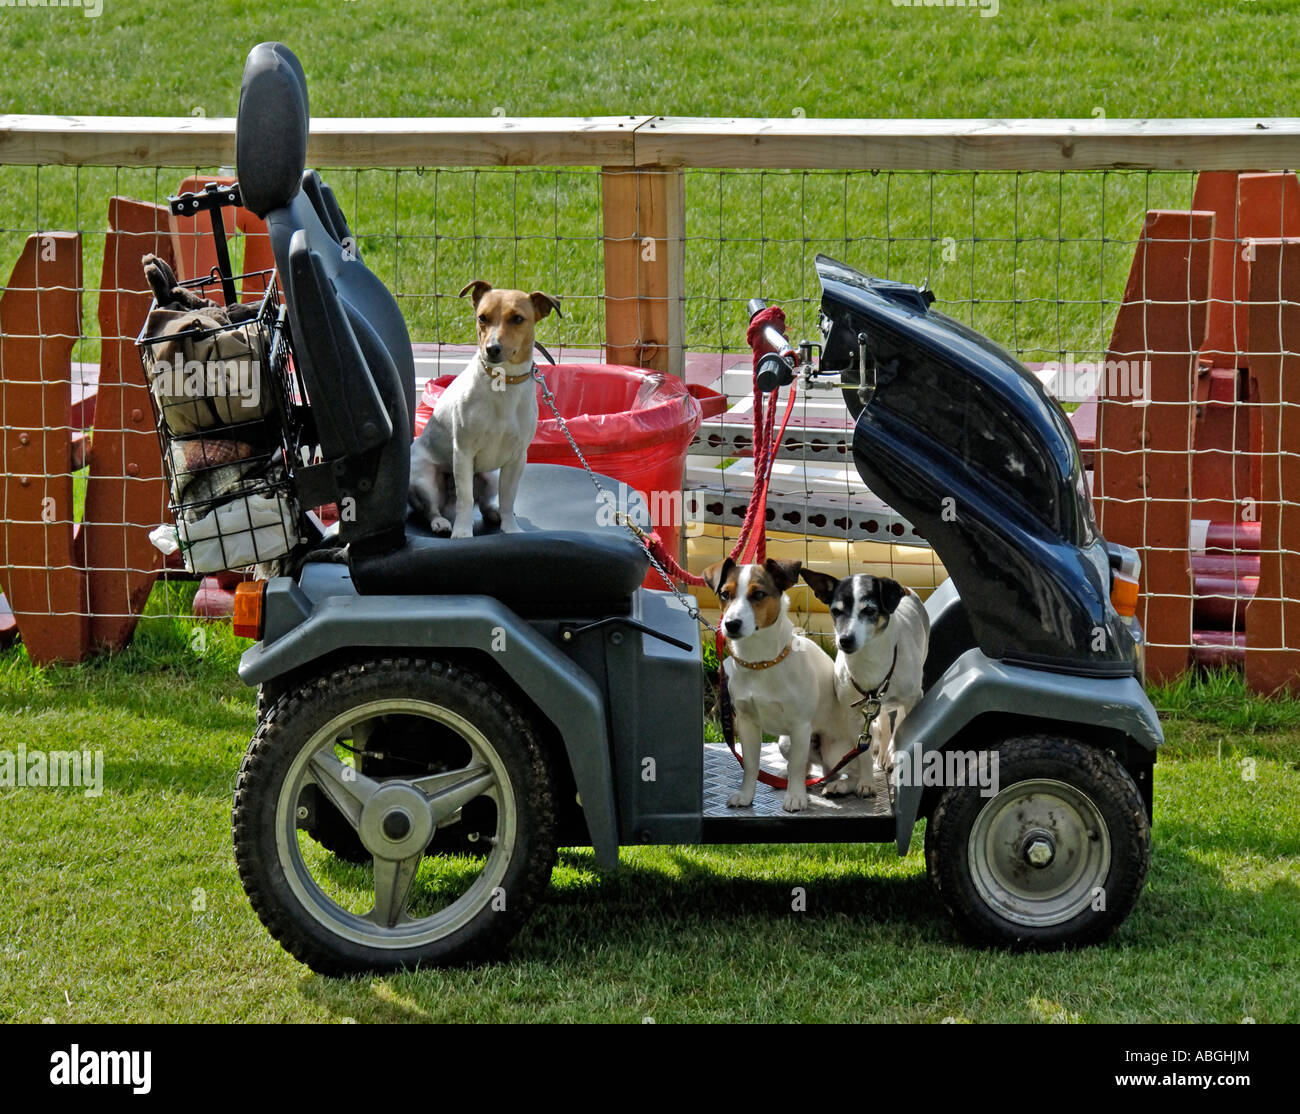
<point x="228" y="414"/>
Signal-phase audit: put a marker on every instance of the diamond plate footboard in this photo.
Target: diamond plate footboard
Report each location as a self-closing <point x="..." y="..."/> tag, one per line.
<point x="722" y="778"/>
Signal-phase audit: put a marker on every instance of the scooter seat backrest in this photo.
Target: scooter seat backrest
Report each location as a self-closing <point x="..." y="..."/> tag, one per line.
<point x="350" y="341"/>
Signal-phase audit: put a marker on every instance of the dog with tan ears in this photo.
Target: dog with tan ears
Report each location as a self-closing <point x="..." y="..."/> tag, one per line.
<point x="779" y="681"/>
<point x="475" y="446"/>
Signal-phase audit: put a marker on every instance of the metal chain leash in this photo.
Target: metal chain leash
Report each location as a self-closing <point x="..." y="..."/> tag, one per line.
<point x="621" y="517"/>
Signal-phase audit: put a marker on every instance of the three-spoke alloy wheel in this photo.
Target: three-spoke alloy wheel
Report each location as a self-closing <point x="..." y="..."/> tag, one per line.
<point x="1056" y="856"/>
<point x="436" y="786"/>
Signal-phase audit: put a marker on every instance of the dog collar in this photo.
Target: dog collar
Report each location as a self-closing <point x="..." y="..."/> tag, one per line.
<point x="509" y="380"/>
<point x="764" y="664"/>
<point x="875" y="694"/>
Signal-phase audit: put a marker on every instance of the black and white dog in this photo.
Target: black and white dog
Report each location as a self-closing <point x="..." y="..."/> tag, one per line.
<point x="882" y="633"/>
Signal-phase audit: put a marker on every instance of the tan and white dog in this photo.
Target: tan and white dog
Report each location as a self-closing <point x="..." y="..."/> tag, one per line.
<point x="484" y="421"/>
<point x="779" y="681"/>
<point x="882" y="632"/>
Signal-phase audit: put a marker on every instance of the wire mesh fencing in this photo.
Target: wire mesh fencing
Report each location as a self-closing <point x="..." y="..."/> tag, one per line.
<point x="1170" y="342"/>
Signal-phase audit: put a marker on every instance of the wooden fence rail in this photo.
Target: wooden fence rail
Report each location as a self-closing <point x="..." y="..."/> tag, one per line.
<point x="675" y="141"/>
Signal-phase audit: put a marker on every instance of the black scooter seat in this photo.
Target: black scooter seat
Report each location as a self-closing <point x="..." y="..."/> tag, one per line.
<point x="570" y="557"/>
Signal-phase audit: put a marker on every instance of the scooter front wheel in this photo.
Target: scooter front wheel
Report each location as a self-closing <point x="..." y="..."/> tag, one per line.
<point x="453" y="762"/>
<point x="1055" y="855"/>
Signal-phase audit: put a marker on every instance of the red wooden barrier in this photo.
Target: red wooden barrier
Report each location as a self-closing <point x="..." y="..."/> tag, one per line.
<point x="1273" y="616"/>
<point x="40" y="321"/>
<point x="62" y="611"/>
<point x="1268" y="208"/>
<point x="1241" y="402"/>
<point x="1142" y="483"/>
<point x="126" y="496"/>
<point x="1221" y="473"/>
<point x="1228" y="459"/>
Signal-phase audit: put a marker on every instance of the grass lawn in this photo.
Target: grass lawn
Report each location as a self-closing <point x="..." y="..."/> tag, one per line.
<point x="127" y="907"/>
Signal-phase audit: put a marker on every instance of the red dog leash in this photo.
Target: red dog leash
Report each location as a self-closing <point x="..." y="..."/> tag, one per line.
<point x="751" y="543"/>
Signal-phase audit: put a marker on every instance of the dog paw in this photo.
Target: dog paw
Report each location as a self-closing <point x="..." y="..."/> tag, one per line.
<point x="865" y="789"/>
<point x="839" y="788"/>
<point x="795" y="800"/>
<point x="491" y="517"/>
<point x="509" y="525"/>
<point x="439" y="525"/>
<point x="740" y="799"/>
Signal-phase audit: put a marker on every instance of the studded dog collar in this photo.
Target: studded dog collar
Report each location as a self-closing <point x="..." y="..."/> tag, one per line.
<point x="764" y="664"/>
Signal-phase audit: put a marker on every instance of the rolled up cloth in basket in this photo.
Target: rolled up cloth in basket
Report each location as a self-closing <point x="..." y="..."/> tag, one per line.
<point x="207" y="452"/>
<point x="244" y="531"/>
<point x="191" y="460"/>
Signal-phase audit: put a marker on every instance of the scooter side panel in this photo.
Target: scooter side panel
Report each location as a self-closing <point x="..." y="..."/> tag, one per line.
<point x="656" y="700"/>
<point x="950" y="632"/>
<point x="563" y="692"/>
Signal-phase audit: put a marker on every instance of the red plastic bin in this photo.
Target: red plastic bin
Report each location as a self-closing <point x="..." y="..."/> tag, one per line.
<point x="632" y="424"/>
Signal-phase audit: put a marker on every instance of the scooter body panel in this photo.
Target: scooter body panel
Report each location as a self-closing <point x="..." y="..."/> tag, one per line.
<point x="960" y="438"/>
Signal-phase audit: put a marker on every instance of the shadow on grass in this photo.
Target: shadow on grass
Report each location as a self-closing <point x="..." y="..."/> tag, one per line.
<point x="682" y="905"/>
<point x="639" y="908"/>
<point x="690" y="888"/>
<point x="1188" y="903"/>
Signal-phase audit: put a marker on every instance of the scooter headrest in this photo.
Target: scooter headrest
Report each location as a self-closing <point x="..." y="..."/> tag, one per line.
<point x="271" y="133"/>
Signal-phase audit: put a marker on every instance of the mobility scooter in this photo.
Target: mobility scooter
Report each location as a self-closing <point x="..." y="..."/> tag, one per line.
<point x="437" y="716"/>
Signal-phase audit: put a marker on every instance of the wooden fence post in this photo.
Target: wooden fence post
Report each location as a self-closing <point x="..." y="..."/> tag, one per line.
<point x="644" y="220"/>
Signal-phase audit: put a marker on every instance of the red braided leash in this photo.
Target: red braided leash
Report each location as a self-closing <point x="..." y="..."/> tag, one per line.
<point x="752" y="541"/>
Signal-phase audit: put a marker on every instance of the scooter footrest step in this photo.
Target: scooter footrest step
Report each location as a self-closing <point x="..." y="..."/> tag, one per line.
<point x="722" y="776"/>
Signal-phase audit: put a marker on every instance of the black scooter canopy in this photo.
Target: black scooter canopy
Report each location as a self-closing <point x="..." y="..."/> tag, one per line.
<point x="963" y="440"/>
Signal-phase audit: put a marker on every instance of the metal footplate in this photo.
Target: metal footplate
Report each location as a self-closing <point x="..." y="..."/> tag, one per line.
<point x="831" y="819"/>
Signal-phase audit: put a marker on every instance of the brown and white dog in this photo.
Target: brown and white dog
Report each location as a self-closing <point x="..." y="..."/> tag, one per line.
<point x="882" y="630"/>
<point x="779" y="681"/>
<point x="484" y="421"/>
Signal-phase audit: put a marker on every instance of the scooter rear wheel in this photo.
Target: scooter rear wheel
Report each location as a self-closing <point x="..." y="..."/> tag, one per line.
<point x="330" y="828"/>
<point x="416" y="756"/>
<point x="1055" y="857"/>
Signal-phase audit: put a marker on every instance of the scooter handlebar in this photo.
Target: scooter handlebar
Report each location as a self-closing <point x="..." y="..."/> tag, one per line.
<point x="774" y="338"/>
<point x="775" y="368"/>
<point x="772" y="372"/>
